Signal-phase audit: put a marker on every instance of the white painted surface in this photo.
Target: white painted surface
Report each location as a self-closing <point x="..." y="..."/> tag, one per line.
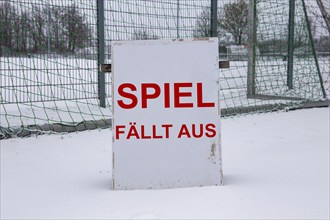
<point x="172" y="160"/>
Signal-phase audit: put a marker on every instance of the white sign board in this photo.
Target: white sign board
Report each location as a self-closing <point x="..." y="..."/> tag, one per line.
<point x="166" y="115"/>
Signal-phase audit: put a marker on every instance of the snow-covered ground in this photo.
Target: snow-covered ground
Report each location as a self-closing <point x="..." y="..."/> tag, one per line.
<point x="276" y="165"/>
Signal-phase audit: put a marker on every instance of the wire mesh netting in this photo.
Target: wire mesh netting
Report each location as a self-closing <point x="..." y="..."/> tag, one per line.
<point x="273" y="61"/>
<point x="49" y="55"/>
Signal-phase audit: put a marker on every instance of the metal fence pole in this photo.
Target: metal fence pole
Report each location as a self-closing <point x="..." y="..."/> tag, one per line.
<point x="100" y="51"/>
<point x="313" y="50"/>
<point x="48" y="30"/>
<point x="178" y="19"/>
<point x="214" y="18"/>
<point x="252" y="28"/>
<point x="290" y="44"/>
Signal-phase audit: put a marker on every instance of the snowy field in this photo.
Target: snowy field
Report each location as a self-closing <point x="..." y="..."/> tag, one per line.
<point x="276" y="165"/>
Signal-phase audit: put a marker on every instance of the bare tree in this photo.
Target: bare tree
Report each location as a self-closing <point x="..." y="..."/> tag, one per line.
<point x="203" y="24"/>
<point x="325" y="11"/>
<point x="301" y="36"/>
<point x="14" y="28"/>
<point x="323" y="44"/>
<point x="203" y="27"/>
<point x="38" y="29"/>
<point x="21" y="32"/>
<point x="234" y="20"/>
<point x="16" y="32"/>
<point x="59" y="28"/>
<point x="76" y="29"/>
<point x="7" y="18"/>
<point x="144" y="35"/>
<point x="55" y="21"/>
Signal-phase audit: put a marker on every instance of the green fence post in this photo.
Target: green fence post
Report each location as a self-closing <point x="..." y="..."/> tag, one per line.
<point x="252" y="28"/>
<point x="100" y="51"/>
<point x="214" y="18"/>
<point x="313" y="50"/>
<point x="290" y="44"/>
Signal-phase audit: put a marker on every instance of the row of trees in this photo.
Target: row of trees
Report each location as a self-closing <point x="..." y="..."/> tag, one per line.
<point x="64" y="29"/>
<point x="232" y="24"/>
<point x="232" y="27"/>
<point x="61" y="29"/>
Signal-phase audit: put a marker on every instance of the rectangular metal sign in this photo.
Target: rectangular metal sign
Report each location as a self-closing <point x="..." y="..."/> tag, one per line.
<point x="166" y="114"/>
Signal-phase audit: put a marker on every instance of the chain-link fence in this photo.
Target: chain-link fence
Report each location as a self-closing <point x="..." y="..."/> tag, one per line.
<point x="50" y="51"/>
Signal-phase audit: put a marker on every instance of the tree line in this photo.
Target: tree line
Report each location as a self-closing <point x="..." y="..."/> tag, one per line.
<point x="232" y="24"/>
<point x="42" y="29"/>
<point x="232" y="27"/>
<point x="64" y="29"/>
